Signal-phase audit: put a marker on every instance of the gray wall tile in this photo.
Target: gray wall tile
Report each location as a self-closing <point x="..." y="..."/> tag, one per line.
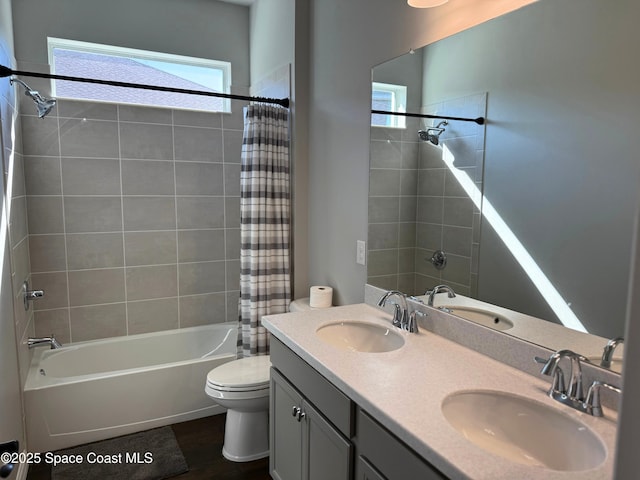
<point x="40" y="138"/>
<point x="94" y="250"/>
<point x="232" y="179"/>
<point x="232" y="274"/>
<point x="232" y="243"/>
<point x="147" y="177"/>
<point x="135" y="113"/>
<point x="206" y="277"/>
<point x="98" y="321"/>
<point x="191" y="118"/>
<point x="92" y="287"/>
<point x="47" y="253"/>
<point x="45" y="215"/>
<point x="198" y="144"/>
<point x="199" y="178"/>
<point x="18" y="221"/>
<point x="152" y="315"/>
<point x="200" y="212"/>
<point x="54" y="322"/>
<point x="202" y="309"/>
<point x="90" y="110"/>
<point x="88" y="138"/>
<point x="152" y="282"/>
<point x="232" y="146"/>
<point x="200" y="245"/>
<point x="42" y="175"/>
<point x="384" y="182"/>
<point x="91" y="176"/>
<point x="149" y="213"/>
<point x="146" y="141"/>
<point x="150" y="248"/>
<point x="92" y="214"/>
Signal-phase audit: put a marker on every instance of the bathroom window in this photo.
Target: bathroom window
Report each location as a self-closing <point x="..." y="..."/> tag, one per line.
<point x="107" y="62"/>
<point x="392" y="98"/>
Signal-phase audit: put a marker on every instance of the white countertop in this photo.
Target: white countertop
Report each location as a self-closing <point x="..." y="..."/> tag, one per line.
<point x="404" y="389"/>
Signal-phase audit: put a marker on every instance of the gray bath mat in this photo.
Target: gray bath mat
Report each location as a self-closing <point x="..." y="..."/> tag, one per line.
<point x="150" y="455"/>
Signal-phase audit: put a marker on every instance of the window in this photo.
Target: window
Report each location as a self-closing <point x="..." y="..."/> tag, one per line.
<point x="106" y="62"/>
<point x="392" y="98"/>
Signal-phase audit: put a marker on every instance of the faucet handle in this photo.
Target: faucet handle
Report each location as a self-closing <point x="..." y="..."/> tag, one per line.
<point x="593" y="397"/>
<point x="557" y="383"/>
<point x="412" y="324"/>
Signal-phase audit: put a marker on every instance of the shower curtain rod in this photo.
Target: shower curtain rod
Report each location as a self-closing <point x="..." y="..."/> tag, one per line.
<point x="479" y="120"/>
<point x="5" y="72"/>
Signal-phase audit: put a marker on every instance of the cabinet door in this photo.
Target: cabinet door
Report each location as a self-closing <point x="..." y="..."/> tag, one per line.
<point x="366" y="471"/>
<point x="285" y="430"/>
<point x="327" y="454"/>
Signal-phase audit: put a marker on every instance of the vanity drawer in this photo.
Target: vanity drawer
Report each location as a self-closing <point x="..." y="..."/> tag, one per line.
<point x="386" y="455"/>
<point x="333" y="404"/>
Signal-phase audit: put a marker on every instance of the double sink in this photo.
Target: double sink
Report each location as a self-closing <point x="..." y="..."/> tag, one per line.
<point x="514" y="427"/>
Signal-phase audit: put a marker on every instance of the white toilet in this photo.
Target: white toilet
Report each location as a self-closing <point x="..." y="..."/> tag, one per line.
<point x="242" y="387"/>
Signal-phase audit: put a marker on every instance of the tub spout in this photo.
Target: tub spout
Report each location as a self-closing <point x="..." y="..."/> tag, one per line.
<point x="51" y="340"/>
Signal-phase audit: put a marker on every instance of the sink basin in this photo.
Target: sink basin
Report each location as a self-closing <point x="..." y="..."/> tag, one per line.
<point x="483" y="317"/>
<point x="523" y="430"/>
<point x="360" y="336"/>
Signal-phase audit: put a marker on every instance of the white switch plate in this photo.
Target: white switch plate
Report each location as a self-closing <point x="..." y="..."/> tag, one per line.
<point x="361" y="252"/>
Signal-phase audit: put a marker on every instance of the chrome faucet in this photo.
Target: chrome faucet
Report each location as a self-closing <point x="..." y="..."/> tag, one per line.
<point x="35" y="342"/>
<point x="551" y="367"/>
<point x="438" y="289"/>
<point x="609" y="348"/>
<point x="401" y="311"/>
<point x="401" y="316"/>
<point x="573" y="396"/>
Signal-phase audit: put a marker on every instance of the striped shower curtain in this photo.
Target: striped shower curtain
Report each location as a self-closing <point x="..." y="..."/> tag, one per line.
<point x="265" y="286"/>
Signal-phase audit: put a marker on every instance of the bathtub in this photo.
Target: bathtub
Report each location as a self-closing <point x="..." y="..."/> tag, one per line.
<point x="90" y="391"/>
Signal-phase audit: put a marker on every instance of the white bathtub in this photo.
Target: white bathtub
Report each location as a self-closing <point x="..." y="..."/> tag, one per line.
<point x="94" y="390"/>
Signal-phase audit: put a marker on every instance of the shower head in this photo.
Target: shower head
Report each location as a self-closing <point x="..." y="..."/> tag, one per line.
<point x="44" y="105"/>
<point x="432" y="134"/>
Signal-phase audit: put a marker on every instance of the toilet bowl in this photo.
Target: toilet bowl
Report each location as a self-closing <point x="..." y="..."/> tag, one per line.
<point x="242" y="387"/>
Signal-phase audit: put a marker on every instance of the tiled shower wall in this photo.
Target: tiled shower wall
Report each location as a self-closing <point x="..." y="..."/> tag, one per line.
<point x="416" y="205"/>
<point x="393" y="184"/>
<point x="447" y="218"/>
<point x="133" y="217"/>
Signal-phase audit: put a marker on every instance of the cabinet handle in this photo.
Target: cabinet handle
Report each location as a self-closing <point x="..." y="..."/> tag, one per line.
<point x="301" y="415"/>
<point x="296" y="411"/>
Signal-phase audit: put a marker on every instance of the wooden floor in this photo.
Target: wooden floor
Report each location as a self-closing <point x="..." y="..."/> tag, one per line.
<point x="201" y="444"/>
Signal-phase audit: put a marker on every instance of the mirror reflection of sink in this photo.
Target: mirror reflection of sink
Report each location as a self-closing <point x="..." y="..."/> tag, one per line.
<point x="360" y="336"/>
<point x="523" y="430"/>
<point x="477" y="315"/>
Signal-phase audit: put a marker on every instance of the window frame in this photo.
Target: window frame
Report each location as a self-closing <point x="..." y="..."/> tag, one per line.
<point x="399" y="103"/>
<point x="116" y="51"/>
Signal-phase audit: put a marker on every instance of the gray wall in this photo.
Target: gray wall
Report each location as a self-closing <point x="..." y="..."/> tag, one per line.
<point x="347" y="40"/>
<point x="561" y="149"/>
<point x="197" y="28"/>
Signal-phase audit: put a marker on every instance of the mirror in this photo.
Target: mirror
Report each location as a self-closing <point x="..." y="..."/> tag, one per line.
<point x="556" y="166"/>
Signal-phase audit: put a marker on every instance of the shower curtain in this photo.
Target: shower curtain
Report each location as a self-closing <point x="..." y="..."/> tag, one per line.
<point x="265" y="286"/>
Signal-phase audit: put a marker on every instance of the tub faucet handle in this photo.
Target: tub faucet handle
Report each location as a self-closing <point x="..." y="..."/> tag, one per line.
<point x="29" y="295"/>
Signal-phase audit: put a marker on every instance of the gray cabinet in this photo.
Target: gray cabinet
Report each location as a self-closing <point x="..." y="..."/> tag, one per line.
<point x="304" y="445"/>
<point x="317" y="432"/>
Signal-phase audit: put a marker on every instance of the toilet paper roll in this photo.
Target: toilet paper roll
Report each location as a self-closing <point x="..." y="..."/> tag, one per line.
<point x="320" y="296"/>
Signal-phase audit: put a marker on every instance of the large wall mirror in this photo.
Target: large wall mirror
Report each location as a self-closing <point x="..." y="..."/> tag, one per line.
<point x="556" y="168"/>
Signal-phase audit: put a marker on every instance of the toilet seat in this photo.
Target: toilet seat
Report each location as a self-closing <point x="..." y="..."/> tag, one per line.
<point x="250" y="374"/>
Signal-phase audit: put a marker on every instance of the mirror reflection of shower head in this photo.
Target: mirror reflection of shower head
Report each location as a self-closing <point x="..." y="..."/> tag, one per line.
<point x="44" y="105"/>
<point x="432" y="134"/>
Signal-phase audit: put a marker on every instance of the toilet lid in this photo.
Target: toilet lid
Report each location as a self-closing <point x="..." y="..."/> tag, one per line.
<point x="250" y="373"/>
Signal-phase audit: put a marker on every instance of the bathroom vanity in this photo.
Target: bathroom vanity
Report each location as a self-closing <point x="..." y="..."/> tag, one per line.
<point x="354" y="411"/>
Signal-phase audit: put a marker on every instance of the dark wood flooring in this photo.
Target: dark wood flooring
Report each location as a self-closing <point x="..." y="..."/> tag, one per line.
<point x="201" y="444"/>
